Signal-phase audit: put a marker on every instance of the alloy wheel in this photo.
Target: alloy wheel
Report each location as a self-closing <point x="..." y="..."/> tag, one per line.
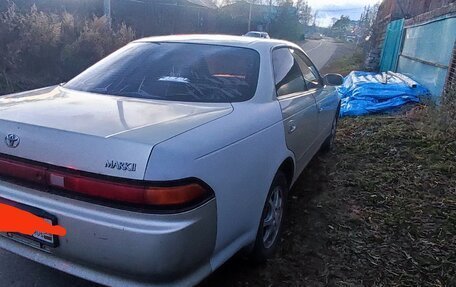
<point x="273" y="217"/>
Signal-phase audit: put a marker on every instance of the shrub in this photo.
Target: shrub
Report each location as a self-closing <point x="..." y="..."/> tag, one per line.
<point x="95" y="41"/>
<point x="38" y="42"/>
<point x="447" y="116"/>
<point x="42" y="48"/>
<point x="438" y="121"/>
<point x="11" y="23"/>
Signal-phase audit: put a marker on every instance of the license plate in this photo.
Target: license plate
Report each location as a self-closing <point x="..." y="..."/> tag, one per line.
<point x="40" y="240"/>
<point x="45" y="237"/>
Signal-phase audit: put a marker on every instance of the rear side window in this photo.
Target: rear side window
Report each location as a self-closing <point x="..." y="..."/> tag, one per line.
<point x="174" y="72"/>
<point x="287" y="74"/>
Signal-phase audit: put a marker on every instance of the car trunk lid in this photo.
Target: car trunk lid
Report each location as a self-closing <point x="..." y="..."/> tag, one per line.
<point x="100" y="134"/>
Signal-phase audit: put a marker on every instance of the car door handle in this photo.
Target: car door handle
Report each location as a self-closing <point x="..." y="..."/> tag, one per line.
<point x="320" y="109"/>
<point x="291" y="127"/>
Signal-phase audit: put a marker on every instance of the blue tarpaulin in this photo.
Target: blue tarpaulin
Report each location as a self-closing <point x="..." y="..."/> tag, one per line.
<point x="366" y="93"/>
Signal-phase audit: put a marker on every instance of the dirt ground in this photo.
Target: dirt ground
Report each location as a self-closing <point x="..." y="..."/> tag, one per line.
<point x="379" y="210"/>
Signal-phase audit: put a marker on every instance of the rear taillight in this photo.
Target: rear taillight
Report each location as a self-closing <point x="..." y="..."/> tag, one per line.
<point x="113" y="189"/>
<point x="22" y="171"/>
<point x="175" y="195"/>
<point x="139" y="194"/>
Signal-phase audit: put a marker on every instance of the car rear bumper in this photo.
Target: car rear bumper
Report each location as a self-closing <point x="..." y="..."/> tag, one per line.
<point x="118" y="247"/>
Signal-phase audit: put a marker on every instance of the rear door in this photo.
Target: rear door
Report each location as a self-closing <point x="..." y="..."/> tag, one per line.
<point x="298" y="105"/>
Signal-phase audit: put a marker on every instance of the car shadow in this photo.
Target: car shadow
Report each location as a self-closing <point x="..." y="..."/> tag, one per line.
<point x="300" y="239"/>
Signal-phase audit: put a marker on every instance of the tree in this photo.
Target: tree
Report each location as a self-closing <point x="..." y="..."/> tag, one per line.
<point x="343" y="23"/>
<point x="285" y="25"/>
<point x="304" y="12"/>
<point x="341" y="27"/>
<point x="367" y="20"/>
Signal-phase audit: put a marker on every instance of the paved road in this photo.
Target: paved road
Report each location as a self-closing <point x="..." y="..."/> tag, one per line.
<point x="18" y="272"/>
<point x="320" y="51"/>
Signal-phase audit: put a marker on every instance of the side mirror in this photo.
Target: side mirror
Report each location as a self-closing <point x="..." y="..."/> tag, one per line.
<point x="333" y="79"/>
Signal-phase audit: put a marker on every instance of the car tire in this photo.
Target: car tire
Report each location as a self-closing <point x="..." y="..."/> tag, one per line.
<point x="272" y="219"/>
<point x="328" y="144"/>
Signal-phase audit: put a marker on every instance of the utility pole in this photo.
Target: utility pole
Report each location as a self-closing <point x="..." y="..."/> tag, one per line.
<point x="250" y="15"/>
<point x="315" y="18"/>
<point x="107" y="10"/>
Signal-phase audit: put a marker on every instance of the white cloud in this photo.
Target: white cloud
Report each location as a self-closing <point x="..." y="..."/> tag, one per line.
<point x="328" y="9"/>
<point x="330" y="4"/>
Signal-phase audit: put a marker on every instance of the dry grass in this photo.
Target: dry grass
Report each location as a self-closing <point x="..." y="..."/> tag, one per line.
<point x="441" y="120"/>
<point x="353" y="61"/>
<point x="379" y="211"/>
<point x="399" y="196"/>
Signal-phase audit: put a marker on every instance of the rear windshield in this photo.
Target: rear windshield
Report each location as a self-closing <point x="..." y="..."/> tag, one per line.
<point x="174" y="72"/>
<point x="254" y="34"/>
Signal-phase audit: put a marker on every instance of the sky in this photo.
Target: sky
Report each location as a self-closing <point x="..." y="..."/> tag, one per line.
<point x="328" y="9"/>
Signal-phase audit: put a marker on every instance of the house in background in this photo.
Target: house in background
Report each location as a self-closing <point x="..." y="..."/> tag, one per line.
<point x="163" y="17"/>
<point x="418" y="38"/>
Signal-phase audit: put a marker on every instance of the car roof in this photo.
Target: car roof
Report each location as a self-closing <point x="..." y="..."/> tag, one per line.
<point x="224" y="40"/>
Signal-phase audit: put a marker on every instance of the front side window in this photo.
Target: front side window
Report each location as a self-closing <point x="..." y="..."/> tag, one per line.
<point x="308" y="70"/>
<point x="174" y="72"/>
<point x="287" y="74"/>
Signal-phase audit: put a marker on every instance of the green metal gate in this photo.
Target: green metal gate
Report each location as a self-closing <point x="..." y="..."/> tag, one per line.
<point x="392" y="46"/>
<point x="427" y="52"/>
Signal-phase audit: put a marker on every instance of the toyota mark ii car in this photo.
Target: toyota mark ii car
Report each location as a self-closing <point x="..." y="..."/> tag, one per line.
<point x="166" y="158"/>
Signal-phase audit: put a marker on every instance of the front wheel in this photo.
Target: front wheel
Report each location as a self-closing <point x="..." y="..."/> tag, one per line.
<point x="270" y="229"/>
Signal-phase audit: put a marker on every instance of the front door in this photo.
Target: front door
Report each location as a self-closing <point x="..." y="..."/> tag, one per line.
<point x="298" y="106"/>
<point x="324" y="96"/>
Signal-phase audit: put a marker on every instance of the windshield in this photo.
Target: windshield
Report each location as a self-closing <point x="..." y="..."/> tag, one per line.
<point x="174" y="72"/>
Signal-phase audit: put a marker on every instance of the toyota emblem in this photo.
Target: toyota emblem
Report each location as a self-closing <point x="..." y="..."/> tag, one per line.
<point x="12" y="141"/>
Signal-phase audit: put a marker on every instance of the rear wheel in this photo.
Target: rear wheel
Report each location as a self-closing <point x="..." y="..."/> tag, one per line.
<point x="270" y="229"/>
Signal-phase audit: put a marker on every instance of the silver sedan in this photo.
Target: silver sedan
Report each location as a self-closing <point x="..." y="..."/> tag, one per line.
<point x="165" y="158"/>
